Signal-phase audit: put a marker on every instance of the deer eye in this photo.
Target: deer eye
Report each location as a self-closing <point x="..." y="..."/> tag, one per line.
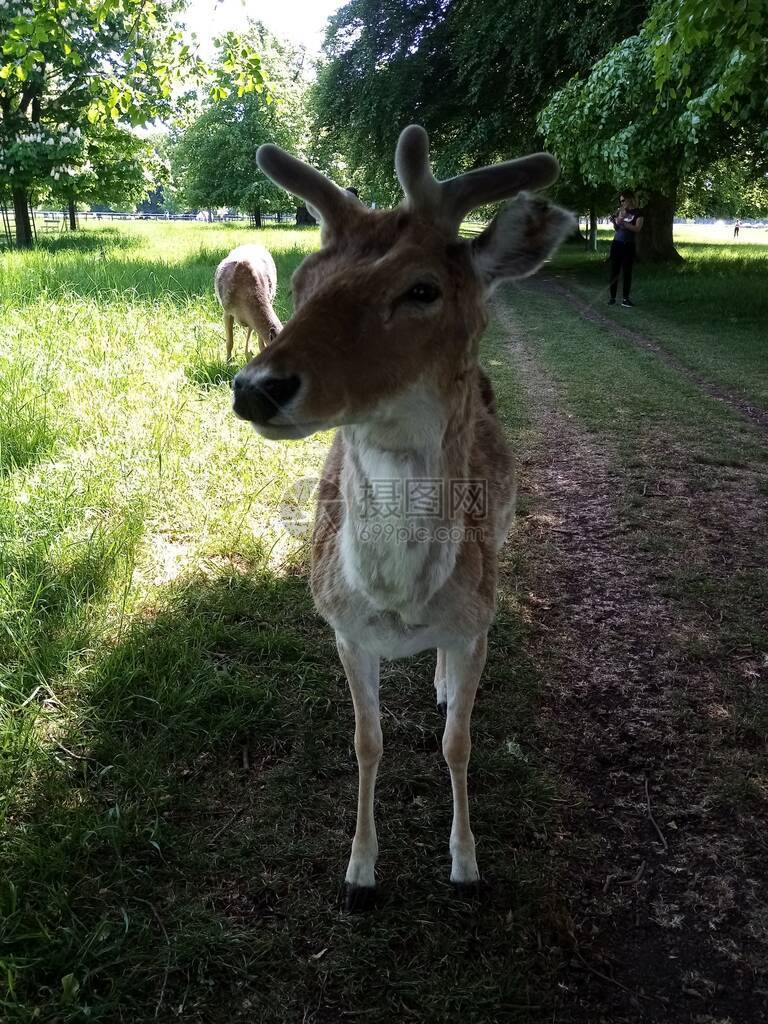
<point x="423" y="292"/>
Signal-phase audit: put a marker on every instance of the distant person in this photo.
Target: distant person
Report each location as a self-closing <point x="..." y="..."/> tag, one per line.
<point x="353" y="190"/>
<point x="627" y="222"/>
<point x="736" y="227"/>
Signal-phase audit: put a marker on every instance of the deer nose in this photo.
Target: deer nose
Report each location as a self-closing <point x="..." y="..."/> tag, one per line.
<point x="261" y="399"/>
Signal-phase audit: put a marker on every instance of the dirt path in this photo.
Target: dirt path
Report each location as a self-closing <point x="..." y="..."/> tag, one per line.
<point x="754" y="413"/>
<point x="664" y="880"/>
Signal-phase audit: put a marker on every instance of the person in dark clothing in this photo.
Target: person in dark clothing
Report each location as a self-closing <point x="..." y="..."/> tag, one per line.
<point x="627" y="222"/>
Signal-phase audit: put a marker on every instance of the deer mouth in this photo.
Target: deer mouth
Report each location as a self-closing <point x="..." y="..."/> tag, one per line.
<point x="289" y="431"/>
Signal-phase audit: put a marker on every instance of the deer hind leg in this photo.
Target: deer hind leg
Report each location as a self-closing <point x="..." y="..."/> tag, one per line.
<point x="362" y="671"/>
<point x="463" y="668"/>
<point x="440" y="691"/>
<point x="229" y="331"/>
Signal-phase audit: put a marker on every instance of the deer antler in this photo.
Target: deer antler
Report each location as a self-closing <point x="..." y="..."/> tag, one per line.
<point x="309" y="184"/>
<point x="451" y="200"/>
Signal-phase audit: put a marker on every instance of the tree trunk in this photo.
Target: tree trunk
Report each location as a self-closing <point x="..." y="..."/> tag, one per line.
<point x="256" y="217"/>
<point x="304" y="217"/>
<point x="72" y="214"/>
<point x="592" y="229"/>
<point x="655" y="243"/>
<point x="24" y="238"/>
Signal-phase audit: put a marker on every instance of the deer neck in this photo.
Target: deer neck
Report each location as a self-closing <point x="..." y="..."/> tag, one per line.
<point x="400" y="540"/>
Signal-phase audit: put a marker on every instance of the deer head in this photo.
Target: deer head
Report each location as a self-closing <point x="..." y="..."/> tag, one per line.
<point x="393" y="300"/>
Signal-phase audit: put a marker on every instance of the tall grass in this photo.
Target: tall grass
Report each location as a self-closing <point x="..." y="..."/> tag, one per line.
<point x="121" y="469"/>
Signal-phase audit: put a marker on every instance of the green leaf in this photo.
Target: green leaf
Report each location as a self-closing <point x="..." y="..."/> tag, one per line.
<point x="70" y="986"/>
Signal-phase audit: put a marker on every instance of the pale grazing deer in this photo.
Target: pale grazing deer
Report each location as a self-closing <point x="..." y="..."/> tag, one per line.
<point x="383" y="344"/>
<point x="245" y="284"/>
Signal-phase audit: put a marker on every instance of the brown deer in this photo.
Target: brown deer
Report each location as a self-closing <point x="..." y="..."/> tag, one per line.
<point x="417" y="492"/>
<point x="245" y="284"/>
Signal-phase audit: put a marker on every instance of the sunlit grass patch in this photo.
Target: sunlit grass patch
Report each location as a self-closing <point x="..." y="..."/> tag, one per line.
<point x="27" y="431"/>
<point x="121" y="464"/>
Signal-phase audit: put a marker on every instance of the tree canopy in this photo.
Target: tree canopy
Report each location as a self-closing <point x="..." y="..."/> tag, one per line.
<point x="715" y="53"/>
<point x="626" y="123"/>
<point x="67" y="66"/>
<point x="474" y="72"/>
<point x="117" y="169"/>
<point x="213" y="156"/>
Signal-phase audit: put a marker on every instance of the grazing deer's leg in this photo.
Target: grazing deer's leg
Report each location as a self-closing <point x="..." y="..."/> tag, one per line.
<point x="440" y="682"/>
<point x="362" y="671"/>
<point x="229" y="330"/>
<point x="464" y="666"/>
<point x="248" y="342"/>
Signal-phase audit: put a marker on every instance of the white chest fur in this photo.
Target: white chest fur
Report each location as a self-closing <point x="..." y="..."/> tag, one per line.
<point x="397" y="546"/>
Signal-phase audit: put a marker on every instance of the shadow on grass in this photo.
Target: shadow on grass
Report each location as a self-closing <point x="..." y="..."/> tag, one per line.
<point x="707" y="289"/>
<point x="207" y="374"/>
<point x="106" y="278"/>
<point x="51" y="587"/>
<point x="189" y="851"/>
<point x="99" y="241"/>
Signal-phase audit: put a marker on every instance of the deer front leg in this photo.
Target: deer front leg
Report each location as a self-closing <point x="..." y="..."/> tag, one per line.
<point x="248" y="343"/>
<point x="229" y="331"/>
<point x="463" y="668"/>
<point x="362" y="671"/>
<point x="440" y="682"/>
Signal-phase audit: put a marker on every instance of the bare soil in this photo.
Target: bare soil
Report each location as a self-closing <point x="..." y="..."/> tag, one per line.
<point x="647" y="718"/>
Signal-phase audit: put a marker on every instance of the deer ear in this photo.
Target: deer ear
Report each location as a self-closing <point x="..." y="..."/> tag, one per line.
<point x="519" y="239"/>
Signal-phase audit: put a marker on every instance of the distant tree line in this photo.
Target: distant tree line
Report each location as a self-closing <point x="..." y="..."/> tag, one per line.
<point x="212" y="147"/>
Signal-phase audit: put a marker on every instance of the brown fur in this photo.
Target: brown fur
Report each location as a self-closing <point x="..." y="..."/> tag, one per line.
<point x="245" y="284"/>
<point x="384" y="344"/>
<point x="358" y="347"/>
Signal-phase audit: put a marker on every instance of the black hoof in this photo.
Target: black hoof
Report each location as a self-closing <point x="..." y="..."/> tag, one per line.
<point x="442" y="707"/>
<point x="467" y="892"/>
<point x="358" y="898"/>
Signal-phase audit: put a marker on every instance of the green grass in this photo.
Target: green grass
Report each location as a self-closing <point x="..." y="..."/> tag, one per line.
<point x="176" y="768"/>
<point x="126" y="485"/>
<point x="709" y="311"/>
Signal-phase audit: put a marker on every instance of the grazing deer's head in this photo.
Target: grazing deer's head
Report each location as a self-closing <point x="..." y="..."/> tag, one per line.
<point x="393" y="300"/>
